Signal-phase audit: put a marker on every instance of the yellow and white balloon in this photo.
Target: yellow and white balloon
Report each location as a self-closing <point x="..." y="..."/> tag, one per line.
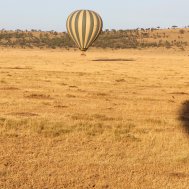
<point x="84" y="27"/>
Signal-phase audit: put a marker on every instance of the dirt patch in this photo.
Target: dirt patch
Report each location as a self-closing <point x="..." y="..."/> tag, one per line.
<point x="113" y="60"/>
<point x="70" y="96"/>
<point x="73" y="86"/>
<point x="101" y="94"/>
<point x="24" y="114"/>
<point x="179" y="93"/>
<point x="120" y="80"/>
<point x="60" y="106"/>
<point x="39" y="96"/>
<point x="179" y="175"/>
<point x="16" y="68"/>
<point x="9" y="88"/>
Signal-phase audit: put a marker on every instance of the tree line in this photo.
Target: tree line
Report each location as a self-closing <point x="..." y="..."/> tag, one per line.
<point x="115" y="39"/>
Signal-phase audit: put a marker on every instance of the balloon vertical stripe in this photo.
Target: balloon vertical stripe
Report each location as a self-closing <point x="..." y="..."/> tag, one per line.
<point x="80" y="27"/>
<point x="84" y="27"/>
<point x="77" y="28"/>
<point x="87" y="28"/>
<point x="95" y="31"/>
<point x="69" y="28"/>
<point x="91" y="28"/>
<point x="74" y="26"/>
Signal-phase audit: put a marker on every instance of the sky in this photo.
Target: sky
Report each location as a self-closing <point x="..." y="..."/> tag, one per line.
<point x="116" y="14"/>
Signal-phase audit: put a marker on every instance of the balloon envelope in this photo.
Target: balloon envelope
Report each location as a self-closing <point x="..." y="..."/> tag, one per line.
<point x="84" y="27"/>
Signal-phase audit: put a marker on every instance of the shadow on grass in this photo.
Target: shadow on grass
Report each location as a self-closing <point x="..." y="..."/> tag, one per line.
<point x="184" y="115"/>
<point x="112" y="60"/>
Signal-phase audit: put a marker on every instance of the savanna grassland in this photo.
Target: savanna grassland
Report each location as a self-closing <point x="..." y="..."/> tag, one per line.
<point x="111" y="119"/>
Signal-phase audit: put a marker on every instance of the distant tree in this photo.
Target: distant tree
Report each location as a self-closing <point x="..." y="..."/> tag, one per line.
<point x="174" y="26"/>
<point x="113" y="30"/>
<point x="18" y="30"/>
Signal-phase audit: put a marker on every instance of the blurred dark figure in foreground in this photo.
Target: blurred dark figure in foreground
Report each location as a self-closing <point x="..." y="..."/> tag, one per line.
<point x="184" y="115"/>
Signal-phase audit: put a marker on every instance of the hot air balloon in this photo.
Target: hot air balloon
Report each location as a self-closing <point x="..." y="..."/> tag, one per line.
<point x="84" y="27"/>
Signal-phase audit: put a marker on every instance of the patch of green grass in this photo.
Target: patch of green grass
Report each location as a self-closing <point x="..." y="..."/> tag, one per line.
<point x="156" y="121"/>
<point x="125" y="130"/>
<point x="31" y="126"/>
<point x="92" y="129"/>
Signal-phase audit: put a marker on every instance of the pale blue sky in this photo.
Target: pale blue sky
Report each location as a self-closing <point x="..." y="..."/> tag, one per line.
<point x="116" y="14"/>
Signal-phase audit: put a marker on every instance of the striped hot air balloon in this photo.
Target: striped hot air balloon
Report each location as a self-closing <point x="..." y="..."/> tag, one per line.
<point x="84" y="27"/>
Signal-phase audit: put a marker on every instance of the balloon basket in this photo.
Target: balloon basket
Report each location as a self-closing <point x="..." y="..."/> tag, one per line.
<point x="83" y="54"/>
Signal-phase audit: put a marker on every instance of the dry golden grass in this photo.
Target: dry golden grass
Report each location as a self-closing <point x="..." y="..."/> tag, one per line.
<point x="67" y="121"/>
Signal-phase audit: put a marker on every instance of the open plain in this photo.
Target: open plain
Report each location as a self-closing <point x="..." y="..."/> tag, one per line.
<point x="111" y="119"/>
